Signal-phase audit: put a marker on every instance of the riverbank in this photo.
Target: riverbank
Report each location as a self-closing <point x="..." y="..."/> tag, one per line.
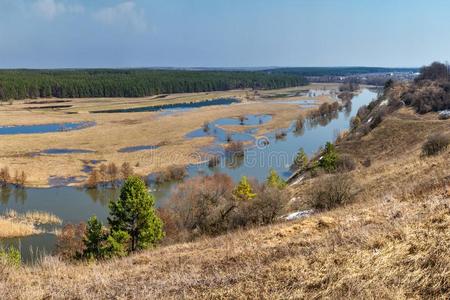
<point x="115" y="131"/>
<point x="390" y="242"/>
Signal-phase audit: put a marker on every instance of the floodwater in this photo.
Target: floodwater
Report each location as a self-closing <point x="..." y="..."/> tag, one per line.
<point x="137" y="148"/>
<point x="44" y="128"/>
<point x="74" y="205"/>
<point x="172" y="107"/>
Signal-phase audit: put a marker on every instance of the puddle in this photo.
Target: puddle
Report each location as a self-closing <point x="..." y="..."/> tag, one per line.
<point x="223" y="136"/>
<point x="174" y="106"/>
<point x="44" y="128"/>
<point x="137" y="148"/>
<point x="65" y="151"/>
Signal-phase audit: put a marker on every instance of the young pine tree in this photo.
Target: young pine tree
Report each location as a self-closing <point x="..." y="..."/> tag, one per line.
<point x="94" y="239"/>
<point x="329" y="158"/>
<point x="301" y="160"/>
<point x="274" y="180"/>
<point x="134" y="213"/>
<point x="243" y="191"/>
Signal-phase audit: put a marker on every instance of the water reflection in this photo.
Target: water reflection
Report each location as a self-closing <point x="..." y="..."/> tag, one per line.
<point x="73" y="205"/>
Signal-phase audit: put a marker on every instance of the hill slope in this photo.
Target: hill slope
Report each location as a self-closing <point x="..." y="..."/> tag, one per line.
<point x="393" y="241"/>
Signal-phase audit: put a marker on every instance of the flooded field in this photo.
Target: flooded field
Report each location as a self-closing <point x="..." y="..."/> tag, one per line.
<point x="264" y="151"/>
<point x="43" y="128"/>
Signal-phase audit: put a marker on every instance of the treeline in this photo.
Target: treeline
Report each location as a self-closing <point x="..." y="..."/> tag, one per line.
<point x="23" y="84"/>
<point x="338" y="71"/>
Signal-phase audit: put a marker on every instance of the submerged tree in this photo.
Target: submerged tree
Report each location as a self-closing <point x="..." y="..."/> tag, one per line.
<point x="134" y="213"/>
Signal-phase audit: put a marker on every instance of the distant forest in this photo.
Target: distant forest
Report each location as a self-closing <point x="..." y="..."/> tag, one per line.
<point x="338" y="71"/>
<point x="23" y="84"/>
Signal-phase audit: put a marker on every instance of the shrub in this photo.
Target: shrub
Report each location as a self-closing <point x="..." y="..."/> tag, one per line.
<point x="112" y="173"/>
<point x="275" y="181"/>
<point x="267" y="205"/>
<point x="355" y="122"/>
<point x="103" y="173"/>
<point x="69" y="242"/>
<point x="172" y="173"/>
<point x="280" y="135"/>
<point x="367" y="162"/>
<point x="435" y="71"/>
<point x="213" y="161"/>
<point x="94" y="238"/>
<point x="243" y="191"/>
<point x="346" y="97"/>
<point x="134" y="213"/>
<point x="345" y="163"/>
<point x="126" y="170"/>
<point x="93" y="179"/>
<point x="9" y="257"/>
<point x="206" y="126"/>
<point x="329" y="158"/>
<point x="349" y="86"/>
<point x="20" y="179"/>
<point x="201" y="205"/>
<point x="300" y="160"/>
<point x="235" y="149"/>
<point x="299" y="123"/>
<point x="5" y="177"/>
<point x="332" y="191"/>
<point x="116" y="244"/>
<point x="363" y="111"/>
<point x="435" y="144"/>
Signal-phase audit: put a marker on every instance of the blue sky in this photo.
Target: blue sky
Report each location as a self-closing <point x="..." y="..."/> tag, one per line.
<point x="222" y="33"/>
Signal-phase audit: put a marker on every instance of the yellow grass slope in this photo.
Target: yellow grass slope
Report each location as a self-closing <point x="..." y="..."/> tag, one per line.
<point x="392" y="242"/>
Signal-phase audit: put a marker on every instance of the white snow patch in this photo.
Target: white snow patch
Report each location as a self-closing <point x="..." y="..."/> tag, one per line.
<point x="298" y="180"/>
<point x="299" y="214"/>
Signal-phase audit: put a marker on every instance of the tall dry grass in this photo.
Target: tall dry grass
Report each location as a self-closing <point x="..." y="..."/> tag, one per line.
<point x="12" y="228"/>
<point x="35" y="217"/>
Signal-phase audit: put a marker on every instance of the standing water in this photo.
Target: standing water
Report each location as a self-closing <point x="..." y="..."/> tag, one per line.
<point x="74" y="205"/>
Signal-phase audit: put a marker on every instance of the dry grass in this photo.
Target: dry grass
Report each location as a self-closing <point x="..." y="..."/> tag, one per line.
<point x="35" y="217"/>
<point x="10" y="228"/>
<point x="391" y="242"/>
<point x="396" y="248"/>
<point x="115" y="131"/>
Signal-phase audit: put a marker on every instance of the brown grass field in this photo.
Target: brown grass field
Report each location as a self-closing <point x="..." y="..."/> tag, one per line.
<point x="391" y="242"/>
<point x="115" y="131"/>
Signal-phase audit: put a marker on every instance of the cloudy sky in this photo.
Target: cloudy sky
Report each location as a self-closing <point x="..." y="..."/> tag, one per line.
<point x="222" y="33"/>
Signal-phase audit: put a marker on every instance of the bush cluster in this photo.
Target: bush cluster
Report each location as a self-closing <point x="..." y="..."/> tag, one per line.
<point x="213" y="204"/>
<point x="109" y="174"/>
<point x="435" y="144"/>
<point x="18" y="180"/>
<point x="332" y="191"/>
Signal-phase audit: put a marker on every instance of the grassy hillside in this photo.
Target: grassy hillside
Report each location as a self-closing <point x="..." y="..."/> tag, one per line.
<point x="392" y="241"/>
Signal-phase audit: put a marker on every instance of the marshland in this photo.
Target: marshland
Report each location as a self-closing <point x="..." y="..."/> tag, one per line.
<point x="224" y="150"/>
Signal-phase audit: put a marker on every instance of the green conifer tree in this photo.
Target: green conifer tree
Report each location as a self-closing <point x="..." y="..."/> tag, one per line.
<point x="134" y="213"/>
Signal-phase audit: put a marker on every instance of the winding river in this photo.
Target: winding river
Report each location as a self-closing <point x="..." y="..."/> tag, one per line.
<point x="74" y="205"/>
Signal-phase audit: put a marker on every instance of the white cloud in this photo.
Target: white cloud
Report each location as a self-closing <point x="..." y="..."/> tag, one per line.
<point x="125" y="13"/>
<point x="49" y="9"/>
